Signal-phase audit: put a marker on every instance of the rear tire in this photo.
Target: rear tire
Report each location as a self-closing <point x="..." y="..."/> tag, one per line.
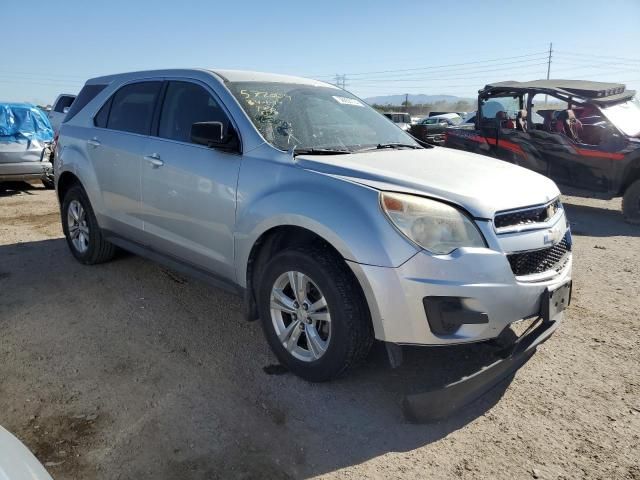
<point x="631" y="203"/>
<point x="48" y="184"/>
<point x="323" y="349"/>
<point x="81" y="229"/>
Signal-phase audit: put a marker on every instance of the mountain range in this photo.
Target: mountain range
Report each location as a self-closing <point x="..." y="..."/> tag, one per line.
<point x="415" y="99"/>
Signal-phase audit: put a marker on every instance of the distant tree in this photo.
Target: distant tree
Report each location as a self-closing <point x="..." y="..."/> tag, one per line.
<point x="462" y="106"/>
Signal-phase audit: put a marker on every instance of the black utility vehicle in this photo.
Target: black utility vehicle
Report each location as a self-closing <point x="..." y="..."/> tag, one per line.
<point x="579" y="133"/>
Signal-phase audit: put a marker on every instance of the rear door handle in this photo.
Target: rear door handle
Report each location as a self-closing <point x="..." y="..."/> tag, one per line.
<point x="154" y="160"/>
<point x="94" y="142"/>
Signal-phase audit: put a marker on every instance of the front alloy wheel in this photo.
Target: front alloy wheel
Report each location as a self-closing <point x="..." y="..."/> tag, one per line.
<point x="313" y="312"/>
<point x="300" y="316"/>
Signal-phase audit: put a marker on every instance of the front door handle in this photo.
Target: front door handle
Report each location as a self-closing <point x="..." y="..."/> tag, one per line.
<point x="154" y="160"/>
<point x="94" y="142"/>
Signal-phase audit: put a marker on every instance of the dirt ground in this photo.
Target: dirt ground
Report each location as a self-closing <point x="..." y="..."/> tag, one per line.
<point x="129" y="371"/>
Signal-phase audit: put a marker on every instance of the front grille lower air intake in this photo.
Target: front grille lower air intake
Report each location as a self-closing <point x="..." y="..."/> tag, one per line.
<point x="539" y="261"/>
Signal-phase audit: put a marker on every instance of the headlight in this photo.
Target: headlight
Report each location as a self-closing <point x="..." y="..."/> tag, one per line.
<point x="435" y="226"/>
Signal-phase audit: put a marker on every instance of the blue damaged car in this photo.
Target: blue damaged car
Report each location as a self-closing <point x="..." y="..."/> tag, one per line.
<point x="25" y="135"/>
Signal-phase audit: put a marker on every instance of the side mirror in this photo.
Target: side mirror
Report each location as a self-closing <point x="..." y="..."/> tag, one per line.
<point x="212" y="135"/>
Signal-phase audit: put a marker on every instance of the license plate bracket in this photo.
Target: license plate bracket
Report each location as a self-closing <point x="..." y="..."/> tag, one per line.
<point x="556" y="300"/>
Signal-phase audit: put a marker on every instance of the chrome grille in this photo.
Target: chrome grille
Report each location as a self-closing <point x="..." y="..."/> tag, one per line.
<point x="527" y="216"/>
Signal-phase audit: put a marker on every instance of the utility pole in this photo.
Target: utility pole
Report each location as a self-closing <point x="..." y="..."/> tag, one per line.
<point x="406" y="101"/>
<point x="548" y="67"/>
<point x="549" y="62"/>
<point x="341" y="80"/>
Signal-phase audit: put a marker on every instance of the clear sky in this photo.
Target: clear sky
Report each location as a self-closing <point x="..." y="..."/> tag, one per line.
<point x="432" y="47"/>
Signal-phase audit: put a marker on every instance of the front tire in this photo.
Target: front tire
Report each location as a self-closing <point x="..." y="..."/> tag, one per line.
<point x="631" y="203"/>
<point x="313" y="313"/>
<point x="84" y="237"/>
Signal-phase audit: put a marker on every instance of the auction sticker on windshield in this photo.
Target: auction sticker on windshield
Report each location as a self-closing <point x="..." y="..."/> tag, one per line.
<point x="348" y="101"/>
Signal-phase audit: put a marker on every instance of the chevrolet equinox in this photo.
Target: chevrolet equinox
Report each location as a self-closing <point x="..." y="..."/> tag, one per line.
<point x="335" y="225"/>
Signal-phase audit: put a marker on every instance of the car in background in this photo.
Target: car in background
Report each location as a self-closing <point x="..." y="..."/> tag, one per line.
<point x="437" y="114"/>
<point x="582" y="134"/>
<point x="432" y="129"/>
<point x="17" y="462"/>
<point x="25" y="135"/>
<point x="403" y="120"/>
<point x="59" y="109"/>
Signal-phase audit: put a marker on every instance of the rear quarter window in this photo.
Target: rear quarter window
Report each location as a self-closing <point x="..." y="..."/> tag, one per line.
<point x="87" y="94"/>
<point x="63" y="102"/>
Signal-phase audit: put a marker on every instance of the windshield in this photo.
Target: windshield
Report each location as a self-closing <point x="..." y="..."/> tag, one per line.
<point x="625" y="116"/>
<point x="310" y="117"/>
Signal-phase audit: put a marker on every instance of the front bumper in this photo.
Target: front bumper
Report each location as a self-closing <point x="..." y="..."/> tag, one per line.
<point x="482" y="277"/>
<point x="441" y="402"/>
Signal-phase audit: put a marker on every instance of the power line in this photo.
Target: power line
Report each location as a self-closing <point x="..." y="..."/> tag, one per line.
<point x="461" y="71"/>
<point x="456" y="76"/>
<point x="599" y="64"/>
<point x="48" y="74"/>
<point x="430" y="67"/>
<point x="608" y="57"/>
<point x="50" y="84"/>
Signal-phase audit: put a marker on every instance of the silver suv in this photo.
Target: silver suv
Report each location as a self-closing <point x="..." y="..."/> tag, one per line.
<point x="336" y="226"/>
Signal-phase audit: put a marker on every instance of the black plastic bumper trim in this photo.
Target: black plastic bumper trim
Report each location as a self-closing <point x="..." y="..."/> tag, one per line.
<point x="440" y="402"/>
<point x="447" y="314"/>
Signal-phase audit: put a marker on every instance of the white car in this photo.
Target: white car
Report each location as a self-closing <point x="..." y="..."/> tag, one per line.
<point x="17" y="462"/>
<point x="59" y="110"/>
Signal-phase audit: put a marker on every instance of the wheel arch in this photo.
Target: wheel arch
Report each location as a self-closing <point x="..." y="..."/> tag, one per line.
<point x="631" y="175"/>
<point x="66" y="180"/>
<point x="274" y="240"/>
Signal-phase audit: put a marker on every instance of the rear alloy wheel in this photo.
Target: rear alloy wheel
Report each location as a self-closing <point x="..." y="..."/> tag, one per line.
<point x="631" y="203"/>
<point x="81" y="229"/>
<point x="78" y="227"/>
<point x="313" y="313"/>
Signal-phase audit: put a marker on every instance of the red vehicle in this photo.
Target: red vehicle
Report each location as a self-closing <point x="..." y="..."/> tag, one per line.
<point x="579" y="133"/>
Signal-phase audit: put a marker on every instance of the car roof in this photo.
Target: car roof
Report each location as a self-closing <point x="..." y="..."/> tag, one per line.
<point x="250" y="76"/>
<point x="446" y="115"/>
<point x="601" y="92"/>
<point x="223" y="74"/>
<point x="18" y="104"/>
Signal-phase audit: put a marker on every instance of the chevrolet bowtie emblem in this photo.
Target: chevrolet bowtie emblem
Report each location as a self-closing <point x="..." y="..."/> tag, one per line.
<point x="552" y="236"/>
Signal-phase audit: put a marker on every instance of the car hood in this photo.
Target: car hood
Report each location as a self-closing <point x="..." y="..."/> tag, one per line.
<point x="17" y="462"/>
<point x="479" y="184"/>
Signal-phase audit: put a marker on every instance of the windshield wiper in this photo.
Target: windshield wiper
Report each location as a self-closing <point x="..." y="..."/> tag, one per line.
<point x="396" y="145"/>
<point x="320" y="151"/>
<point x="381" y="146"/>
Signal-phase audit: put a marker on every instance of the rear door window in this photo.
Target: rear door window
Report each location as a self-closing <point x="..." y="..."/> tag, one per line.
<point x="186" y="103"/>
<point x="132" y="107"/>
